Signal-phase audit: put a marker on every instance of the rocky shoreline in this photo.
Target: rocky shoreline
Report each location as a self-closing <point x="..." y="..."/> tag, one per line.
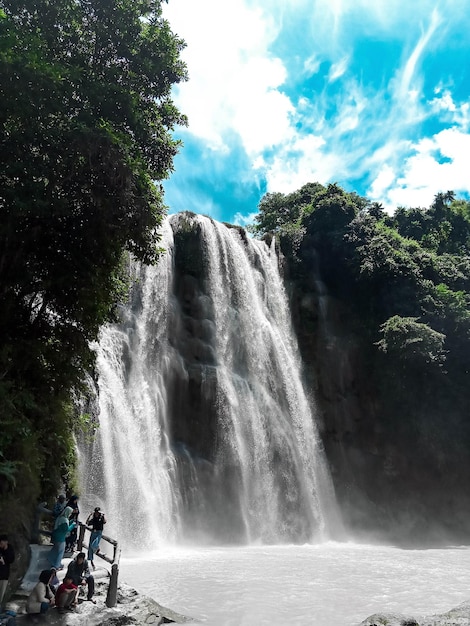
<point x="459" y="616"/>
<point x="132" y="608"/>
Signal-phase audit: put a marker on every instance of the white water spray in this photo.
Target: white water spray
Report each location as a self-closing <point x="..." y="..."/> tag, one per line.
<point x="206" y="431"/>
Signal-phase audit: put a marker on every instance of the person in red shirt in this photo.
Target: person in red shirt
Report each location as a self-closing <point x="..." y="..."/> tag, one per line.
<point x="66" y="595"/>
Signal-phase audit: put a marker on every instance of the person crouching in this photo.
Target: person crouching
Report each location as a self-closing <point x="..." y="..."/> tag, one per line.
<point x="66" y="595"/>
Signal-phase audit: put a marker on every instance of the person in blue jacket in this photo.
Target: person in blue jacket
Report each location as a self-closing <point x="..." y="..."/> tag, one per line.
<point x="62" y="527"/>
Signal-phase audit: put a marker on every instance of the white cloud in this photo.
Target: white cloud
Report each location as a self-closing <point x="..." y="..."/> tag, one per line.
<point x="244" y="220"/>
<point x="385" y="178"/>
<point x="312" y="64"/>
<point x="304" y="160"/>
<point x="338" y="126"/>
<point x="338" y="69"/>
<point x="444" y="105"/>
<point x="436" y="164"/>
<point x="233" y="80"/>
<point x="410" y="67"/>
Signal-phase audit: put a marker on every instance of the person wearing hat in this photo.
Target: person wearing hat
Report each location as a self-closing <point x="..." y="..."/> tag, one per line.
<point x="96" y="520"/>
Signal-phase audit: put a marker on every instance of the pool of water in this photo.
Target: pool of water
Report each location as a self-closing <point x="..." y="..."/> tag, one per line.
<point x="331" y="584"/>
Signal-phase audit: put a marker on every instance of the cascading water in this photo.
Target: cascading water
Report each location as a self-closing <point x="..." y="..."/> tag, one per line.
<point x="206" y="432"/>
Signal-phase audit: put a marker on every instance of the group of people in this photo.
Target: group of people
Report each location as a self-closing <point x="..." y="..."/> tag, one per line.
<point x="49" y="593"/>
<point x="64" y="533"/>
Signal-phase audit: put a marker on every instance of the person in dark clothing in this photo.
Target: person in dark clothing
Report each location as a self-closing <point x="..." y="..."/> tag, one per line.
<point x="7" y="556"/>
<point x="80" y="574"/>
<point x="71" y="539"/>
<point x="96" y="520"/>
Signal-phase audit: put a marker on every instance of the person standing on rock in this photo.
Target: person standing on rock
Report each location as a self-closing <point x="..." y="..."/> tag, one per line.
<point x="59" y="506"/>
<point x="96" y="520"/>
<point x="71" y="540"/>
<point x="62" y="527"/>
<point x="80" y="574"/>
<point x="7" y="556"/>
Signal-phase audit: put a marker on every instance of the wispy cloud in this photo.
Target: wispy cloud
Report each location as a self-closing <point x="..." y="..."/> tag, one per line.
<point x="345" y="90"/>
<point x="338" y="69"/>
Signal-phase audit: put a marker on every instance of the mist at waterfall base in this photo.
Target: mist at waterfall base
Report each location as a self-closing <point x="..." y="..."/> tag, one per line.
<point x="207" y="460"/>
<point x="329" y="584"/>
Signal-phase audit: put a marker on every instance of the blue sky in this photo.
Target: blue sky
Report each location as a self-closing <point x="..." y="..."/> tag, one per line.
<point x="372" y="94"/>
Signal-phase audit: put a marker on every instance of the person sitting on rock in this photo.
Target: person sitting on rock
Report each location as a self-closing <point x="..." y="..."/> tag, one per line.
<point x="80" y="575"/>
<point x="41" y="598"/>
<point x="66" y="595"/>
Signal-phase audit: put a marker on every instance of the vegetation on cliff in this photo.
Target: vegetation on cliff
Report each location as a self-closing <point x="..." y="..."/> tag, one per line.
<point x="407" y="274"/>
<point x="86" y="119"/>
<point x="402" y="284"/>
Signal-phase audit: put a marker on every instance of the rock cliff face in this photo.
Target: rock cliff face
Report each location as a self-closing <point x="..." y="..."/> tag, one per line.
<point x="400" y="464"/>
<point x="202" y="404"/>
<point x="194" y="394"/>
<point x="396" y="447"/>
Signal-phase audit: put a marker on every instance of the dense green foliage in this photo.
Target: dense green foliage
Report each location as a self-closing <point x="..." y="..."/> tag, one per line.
<point x="403" y="284"/>
<point x="86" y="119"/>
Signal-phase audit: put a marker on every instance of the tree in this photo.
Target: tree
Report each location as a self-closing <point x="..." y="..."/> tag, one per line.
<point x="376" y="209"/>
<point x="278" y="211"/>
<point x="411" y="340"/>
<point x="332" y="211"/>
<point x="86" y="118"/>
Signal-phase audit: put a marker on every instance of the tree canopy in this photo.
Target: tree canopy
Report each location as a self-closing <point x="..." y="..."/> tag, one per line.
<point x="86" y="121"/>
<point x="405" y="276"/>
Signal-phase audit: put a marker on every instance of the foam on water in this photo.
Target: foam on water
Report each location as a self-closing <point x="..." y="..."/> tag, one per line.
<point x="330" y="584"/>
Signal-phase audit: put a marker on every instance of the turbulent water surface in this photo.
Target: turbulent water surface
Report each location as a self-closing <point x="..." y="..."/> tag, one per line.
<point x="329" y="584"/>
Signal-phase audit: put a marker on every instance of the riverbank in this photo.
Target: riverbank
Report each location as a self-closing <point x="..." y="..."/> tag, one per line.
<point x="459" y="616"/>
<point x="131" y="607"/>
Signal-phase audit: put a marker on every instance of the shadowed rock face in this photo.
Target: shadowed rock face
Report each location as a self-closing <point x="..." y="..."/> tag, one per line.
<point x="193" y="337"/>
<point x="397" y="478"/>
<point x="400" y="468"/>
<point x="203" y="410"/>
<point x="194" y="392"/>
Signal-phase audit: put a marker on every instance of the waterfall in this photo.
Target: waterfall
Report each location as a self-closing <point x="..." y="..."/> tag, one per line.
<point x="206" y="431"/>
